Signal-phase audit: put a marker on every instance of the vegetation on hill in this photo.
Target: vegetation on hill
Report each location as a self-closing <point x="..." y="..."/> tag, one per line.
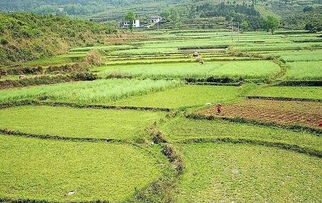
<point x="26" y="36"/>
<point x="75" y="7"/>
<point x="310" y="19"/>
<point x="249" y="14"/>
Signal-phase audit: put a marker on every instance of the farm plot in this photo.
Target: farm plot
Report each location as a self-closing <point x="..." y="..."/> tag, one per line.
<point x="234" y="69"/>
<point x="99" y="91"/>
<point x="245" y="173"/>
<point x="181" y="129"/>
<point x="283" y="112"/>
<point x="78" y="123"/>
<point x="304" y="71"/>
<point x="289" y="92"/>
<point x="58" y="171"/>
<point x="186" y="96"/>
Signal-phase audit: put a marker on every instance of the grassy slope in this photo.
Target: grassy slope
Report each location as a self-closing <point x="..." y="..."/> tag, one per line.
<point x="69" y="122"/>
<point x="99" y="91"/>
<point x="292" y="92"/>
<point x="42" y="36"/>
<point x="245" y="173"/>
<point x="49" y="170"/>
<point x="186" y="96"/>
<point x="182" y="128"/>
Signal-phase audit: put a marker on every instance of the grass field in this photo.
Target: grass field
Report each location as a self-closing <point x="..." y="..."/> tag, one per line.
<point x="182" y="129"/>
<point x="233" y="69"/>
<point x="71" y="171"/>
<point x="184" y="97"/>
<point x="99" y="91"/>
<point x="291" y="92"/>
<point x="80" y="123"/>
<point x="245" y="173"/>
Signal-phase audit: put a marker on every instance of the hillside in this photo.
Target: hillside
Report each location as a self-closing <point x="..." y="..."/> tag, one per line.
<point x="25" y="36"/>
<point x="79" y="7"/>
<point x="190" y="13"/>
<point x="115" y="8"/>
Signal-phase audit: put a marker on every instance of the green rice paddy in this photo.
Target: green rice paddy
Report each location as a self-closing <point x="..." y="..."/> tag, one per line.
<point x="290" y="92"/>
<point x="71" y="171"/>
<point x="181" y="129"/>
<point x="246" y="173"/>
<point x="304" y="71"/>
<point x="185" y="97"/>
<point x="203" y="165"/>
<point x="78" y="123"/>
<point x="232" y="69"/>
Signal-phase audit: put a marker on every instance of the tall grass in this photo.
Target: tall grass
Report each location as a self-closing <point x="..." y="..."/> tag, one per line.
<point x="99" y="91"/>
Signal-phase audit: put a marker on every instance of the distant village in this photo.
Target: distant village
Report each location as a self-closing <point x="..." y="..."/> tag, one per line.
<point x="153" y="21"/>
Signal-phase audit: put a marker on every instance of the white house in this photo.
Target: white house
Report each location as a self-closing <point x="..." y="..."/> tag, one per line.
<point x="156" y="19"/>
<point x="126" y="24"/>
<point x="136" y="23"/>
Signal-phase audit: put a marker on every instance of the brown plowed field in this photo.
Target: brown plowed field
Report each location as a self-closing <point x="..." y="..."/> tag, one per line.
<point x="283" y="112"/>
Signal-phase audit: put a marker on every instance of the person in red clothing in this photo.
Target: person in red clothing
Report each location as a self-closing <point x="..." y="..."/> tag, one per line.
<point x="218" y="108"/>
<point x="320" y="124"/>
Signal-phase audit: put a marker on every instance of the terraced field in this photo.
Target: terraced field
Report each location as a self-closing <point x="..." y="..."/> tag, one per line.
<point x="232" y="69"/>
<point x="297" y="92"/>
<point x="146" y="129"/>
<point x="99" y="91"/>
<point x="185" y="97"/>
<point x="304" y="71"/>
<point x="191" y="130"/>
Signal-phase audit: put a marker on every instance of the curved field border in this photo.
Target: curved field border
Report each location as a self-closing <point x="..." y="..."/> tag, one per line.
<point x="215" y="84"/>
<point x="80" y="106"/>
<point x="56" y="137"/>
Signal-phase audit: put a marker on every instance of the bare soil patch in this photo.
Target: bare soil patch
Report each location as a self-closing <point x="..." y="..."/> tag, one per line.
<point x="282" y="112"/>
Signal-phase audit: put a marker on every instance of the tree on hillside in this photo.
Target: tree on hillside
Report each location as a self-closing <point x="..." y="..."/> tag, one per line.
<point x="314" y="20"/>
<point x="130" y="16"/>
<point x="315" y="25"/>
<point x="244" y="26"/>
<point x="271" y="24"/>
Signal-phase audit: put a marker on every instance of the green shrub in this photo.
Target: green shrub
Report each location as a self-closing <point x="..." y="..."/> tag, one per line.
<point x="4" y="41"/>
